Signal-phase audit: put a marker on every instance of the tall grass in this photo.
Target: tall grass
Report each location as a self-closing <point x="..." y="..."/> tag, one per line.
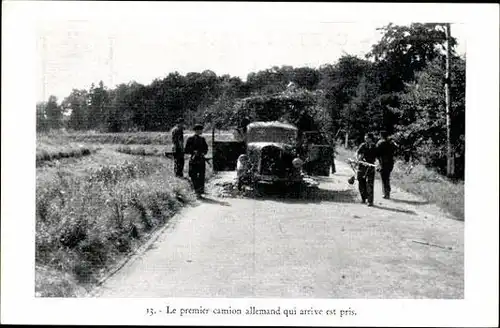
<point x="51" y="146"/>
<point x="143" y="138"/>
<point x="425" y="182"/>
<point x="140" y="150"/>
<point x="84" y="224"/>
<point x="44" y="155"/>
<point x="149" y="150"/>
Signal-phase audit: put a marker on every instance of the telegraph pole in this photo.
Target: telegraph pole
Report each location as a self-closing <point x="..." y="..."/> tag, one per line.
<point x="44" y="68"/>
<point x="110" y="62"/>
<point x="450" y="163"/>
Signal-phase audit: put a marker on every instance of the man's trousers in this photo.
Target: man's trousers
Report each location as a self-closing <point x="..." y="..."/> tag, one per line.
<point x="366" y="178"/>
<point x="385" y="175"/>
<point x="179" y="164"/>
<point x="197" y="175"/>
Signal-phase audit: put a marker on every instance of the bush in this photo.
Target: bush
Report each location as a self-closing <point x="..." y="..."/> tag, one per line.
<point x="139" y="150"/>
<point x="46" y="153"/>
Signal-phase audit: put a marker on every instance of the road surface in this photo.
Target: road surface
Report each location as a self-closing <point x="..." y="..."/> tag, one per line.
<point x="325" y="245"/>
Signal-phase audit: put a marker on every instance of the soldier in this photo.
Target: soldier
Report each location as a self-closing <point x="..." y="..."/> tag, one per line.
<point x="367" y="152"/>
<point x="178" y="148"/>
<point x="385" y="151"/>
<point x="197" y="147"/>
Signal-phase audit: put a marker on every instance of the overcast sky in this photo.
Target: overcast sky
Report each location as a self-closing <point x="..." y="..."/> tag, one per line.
<point x="122" y="43"/>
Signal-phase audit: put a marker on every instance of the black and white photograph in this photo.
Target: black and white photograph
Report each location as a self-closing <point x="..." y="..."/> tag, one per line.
<point x="255" y="152"/>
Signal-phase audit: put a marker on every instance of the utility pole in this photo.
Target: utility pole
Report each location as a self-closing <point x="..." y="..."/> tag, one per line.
<point x="110" y="62"/>
<point x="450" y="163"/>
<point x="44" y="68"/>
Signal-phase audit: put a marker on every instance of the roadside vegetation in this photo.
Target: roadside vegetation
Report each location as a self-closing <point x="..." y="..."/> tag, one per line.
<point x="89" y="215"/>
<point x="137" y="138"/>
<point x="144" y="138"/>
<point x="140" y="150"/>
<point x="50" y="147"/>
<point x="420" y="180"/>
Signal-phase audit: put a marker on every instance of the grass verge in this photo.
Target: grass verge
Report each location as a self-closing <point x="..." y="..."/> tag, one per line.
<point x="143" y="138"/>
<point x="50" y="147"/>
<point x="85" y="224"/>
<point x="140" y="150"/>
<point x="425" y="182"/>
<point x="149" y="150"/>
<point x="44" y="155"/>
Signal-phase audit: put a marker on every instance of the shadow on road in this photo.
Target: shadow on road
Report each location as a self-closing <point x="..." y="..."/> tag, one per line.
<point x="398" y="210"/>
<point x="409" y="202"/>
<point x="309" y="195"/>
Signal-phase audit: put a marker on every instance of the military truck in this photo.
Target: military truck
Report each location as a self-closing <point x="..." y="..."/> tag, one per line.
<point x="273" y="151"/>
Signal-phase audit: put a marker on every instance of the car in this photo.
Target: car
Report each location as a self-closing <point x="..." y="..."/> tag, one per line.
<point x="272" y="153"/>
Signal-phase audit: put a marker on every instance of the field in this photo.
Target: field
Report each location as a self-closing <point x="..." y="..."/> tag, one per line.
<point x="99" y="197"/>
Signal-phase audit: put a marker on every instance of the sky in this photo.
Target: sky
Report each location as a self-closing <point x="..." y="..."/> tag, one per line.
<point x="120" y="44"/>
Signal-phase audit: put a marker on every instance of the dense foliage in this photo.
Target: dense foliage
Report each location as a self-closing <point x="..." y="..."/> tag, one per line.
<point x="398" y="87"/>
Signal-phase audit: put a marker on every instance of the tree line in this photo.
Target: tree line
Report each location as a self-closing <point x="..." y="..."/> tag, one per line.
<point x="398" y="87"/>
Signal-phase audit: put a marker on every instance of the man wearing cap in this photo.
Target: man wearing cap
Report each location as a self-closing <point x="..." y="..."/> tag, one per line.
<point x="367" y="152"/>
<point x="197" y="147"/>
<point x="178" y="148"/>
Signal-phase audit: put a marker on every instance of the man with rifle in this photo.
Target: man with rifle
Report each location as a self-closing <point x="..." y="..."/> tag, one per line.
<point x="197" y="147"/>
<point x="366" y="155"/>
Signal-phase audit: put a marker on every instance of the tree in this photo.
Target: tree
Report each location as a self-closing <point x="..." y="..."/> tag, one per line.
<point x="341" y="84"/>
<point x="98" y="107"/>
<point x="41" y="116"/>
<point x="77" y="105"/>
<point x="53" y="113"/>
<point x="405" y="50"/>
<point x="421" y="131"/>
<point x="306" y="77"/>
<point x="270" y="81"/>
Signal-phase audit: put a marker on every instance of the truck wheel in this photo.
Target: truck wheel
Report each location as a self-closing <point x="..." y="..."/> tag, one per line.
<point x="257" y="189"/>
<point x="296" y="190"/>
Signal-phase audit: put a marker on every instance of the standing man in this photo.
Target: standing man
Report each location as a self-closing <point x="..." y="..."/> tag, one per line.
<point x="385" y="151"/>
<point x="367" y="152"/>
<point x="178" y="148"/>
<point x="197" y="147"/>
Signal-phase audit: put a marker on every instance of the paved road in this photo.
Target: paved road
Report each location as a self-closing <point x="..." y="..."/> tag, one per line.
<point x="326" y="245"/>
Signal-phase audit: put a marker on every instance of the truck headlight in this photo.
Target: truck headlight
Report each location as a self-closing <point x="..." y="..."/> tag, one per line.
<point x="297" y="163"/>
<point x="242" y="163"/>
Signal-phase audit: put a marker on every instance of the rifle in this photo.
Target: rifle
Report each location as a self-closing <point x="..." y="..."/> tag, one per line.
<point x="351" y="164"/>
<point x="353" y="161"/>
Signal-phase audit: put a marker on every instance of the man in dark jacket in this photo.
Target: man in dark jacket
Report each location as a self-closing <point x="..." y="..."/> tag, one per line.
<point x="385" y="152"/>
<point x="197" y="147"/>
<point x="367" y="152"/>
<point x="178" y="148"/>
